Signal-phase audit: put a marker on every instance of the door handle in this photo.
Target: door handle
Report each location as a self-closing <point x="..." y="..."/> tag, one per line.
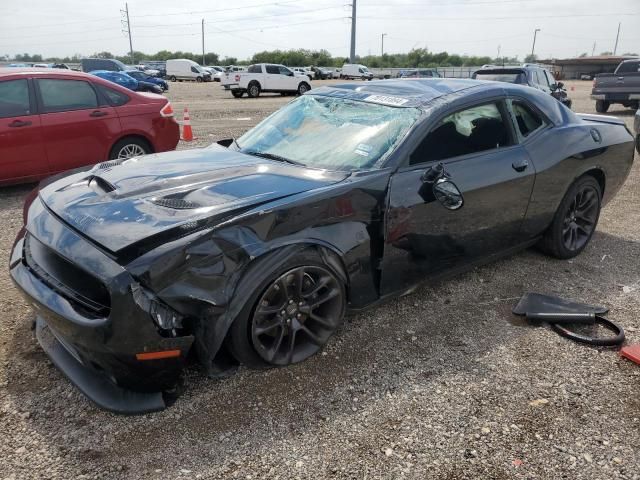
<point x="520" y="166"/>
<point x="97" y="113"/>
<point x="20" y="123"/>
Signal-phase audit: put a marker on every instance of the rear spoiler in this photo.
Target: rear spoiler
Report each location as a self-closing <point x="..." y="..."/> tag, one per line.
<point x="588" y="117"/>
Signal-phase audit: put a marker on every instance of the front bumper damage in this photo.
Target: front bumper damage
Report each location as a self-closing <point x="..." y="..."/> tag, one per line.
<point x="107" y="352"/>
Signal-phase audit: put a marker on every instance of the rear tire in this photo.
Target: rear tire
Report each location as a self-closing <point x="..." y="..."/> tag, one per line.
<point x="129" y="147"/>
<point x="602" y="106"/>
<point x="173" y="78"/>
<point x="237" y="93"/>
<point x="575" y="220"/>
<point x="253" y="90"/>
<point x="261" y="336"/>
<point x="303" y="88"/>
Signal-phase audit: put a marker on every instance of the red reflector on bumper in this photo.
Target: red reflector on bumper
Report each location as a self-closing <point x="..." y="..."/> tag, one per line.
<point x="157" y="355"/>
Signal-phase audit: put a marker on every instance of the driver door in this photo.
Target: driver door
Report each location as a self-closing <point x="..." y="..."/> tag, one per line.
<point x="462" y="197"/>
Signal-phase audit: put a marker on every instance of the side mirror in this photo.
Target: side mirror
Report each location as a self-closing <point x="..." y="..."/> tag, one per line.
<point x="448" y="194"/>
<point x="559" y="84"/>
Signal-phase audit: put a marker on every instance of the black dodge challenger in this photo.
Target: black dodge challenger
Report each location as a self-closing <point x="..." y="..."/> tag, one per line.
<point x="252" y="250"/>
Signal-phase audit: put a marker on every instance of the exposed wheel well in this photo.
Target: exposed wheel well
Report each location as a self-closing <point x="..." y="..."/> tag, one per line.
<point x="599" y="176"/>
<point x="133" y="136"/>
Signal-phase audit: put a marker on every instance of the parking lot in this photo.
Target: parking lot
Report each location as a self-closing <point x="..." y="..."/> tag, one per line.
<point x="444" y="383"/>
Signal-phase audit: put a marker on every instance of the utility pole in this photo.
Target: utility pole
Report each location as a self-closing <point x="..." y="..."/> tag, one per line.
<point x="352" y="54"/>
<point x="203" y="62"/>
<point x="593" y="50"/>
<point x="533" y="48"/>
<point x="498" y="57"/>
<point x="126" y="24"/>
<point x="382" y="48"/>
<point x="615" y="49"/>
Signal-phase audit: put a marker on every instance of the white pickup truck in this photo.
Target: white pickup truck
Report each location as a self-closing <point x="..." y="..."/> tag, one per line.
<point x="266" y="77"/>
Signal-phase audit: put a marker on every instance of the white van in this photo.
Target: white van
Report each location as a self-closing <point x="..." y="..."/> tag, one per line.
<point x="184" y="69"/>
<point x="355" y="70"/>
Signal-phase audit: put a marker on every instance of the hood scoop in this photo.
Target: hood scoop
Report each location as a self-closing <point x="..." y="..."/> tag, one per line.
<point x="101" y="185"/>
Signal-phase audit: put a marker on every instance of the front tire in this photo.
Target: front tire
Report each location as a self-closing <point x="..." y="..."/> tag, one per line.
<point x="199" y="79"/>
<point x="602" y="106"/>
<point x="173" y="78"/>
<point x="575" y="220"/>
<point x="291" y="313"/>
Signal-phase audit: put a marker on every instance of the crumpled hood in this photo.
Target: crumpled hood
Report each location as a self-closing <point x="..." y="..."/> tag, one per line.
<point x="117" y="204"/>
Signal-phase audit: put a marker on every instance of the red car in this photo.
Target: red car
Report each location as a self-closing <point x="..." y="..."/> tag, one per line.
<point x="56" y="120"/>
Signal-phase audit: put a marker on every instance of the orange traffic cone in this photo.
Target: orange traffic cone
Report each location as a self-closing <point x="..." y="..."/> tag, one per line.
<point x="187" y="133"/>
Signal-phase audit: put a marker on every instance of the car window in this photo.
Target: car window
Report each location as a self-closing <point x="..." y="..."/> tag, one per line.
<point x="527" y="119"/>
<point x="510" y="77"/>
<point x="472" y="130"/>
<point x="14" y="98"/>
<point x="194" y="70"/>
<point x="115" y="99"/>
<point x="550" y="79"/>
<point x="544" y="79"/>
<point x="255" y="69"/>
<point x="285" y="71"/>
<point x="64" y="95"/>
<point x="629" y="67"/>
<point x="273" y="70"/>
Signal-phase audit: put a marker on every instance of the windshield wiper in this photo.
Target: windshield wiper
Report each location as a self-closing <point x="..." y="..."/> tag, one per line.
<point x="272" y="156"/>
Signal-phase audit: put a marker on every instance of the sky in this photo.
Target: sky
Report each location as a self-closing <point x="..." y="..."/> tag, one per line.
<point x="243" y="27"/>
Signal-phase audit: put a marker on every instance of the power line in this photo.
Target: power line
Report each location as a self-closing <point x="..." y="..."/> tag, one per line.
<point x="249" y="29"/>
<point x="198" y="12"/>
<point x="518" y="17"/>
<point x="242" y="19"/>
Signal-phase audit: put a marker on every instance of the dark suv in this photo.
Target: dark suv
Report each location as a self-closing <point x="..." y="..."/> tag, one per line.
<point x="532" y="75"/>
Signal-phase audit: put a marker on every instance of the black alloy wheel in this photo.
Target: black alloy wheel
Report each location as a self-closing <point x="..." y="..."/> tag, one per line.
<point x="296" y="315"/>
<point x="581" y="218"/>
<point x="575" y="219"/>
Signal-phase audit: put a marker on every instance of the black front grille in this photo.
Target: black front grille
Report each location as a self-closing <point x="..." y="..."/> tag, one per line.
<point x="69" y="280"/>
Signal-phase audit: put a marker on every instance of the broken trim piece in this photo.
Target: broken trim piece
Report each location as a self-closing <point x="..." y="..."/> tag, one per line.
<point x="613" y="341"/>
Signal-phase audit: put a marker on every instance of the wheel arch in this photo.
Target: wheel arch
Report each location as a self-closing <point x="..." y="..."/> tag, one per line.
<point x="211" y="335"/>
<point x="598" y="174"/>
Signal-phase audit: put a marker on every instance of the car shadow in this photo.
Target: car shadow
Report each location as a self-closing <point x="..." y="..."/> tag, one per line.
<point x="621" y="111"/>
<point x="413" y="341"/>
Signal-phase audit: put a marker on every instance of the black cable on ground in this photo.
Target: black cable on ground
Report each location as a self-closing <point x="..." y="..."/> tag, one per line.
<point x="597" y="342"/>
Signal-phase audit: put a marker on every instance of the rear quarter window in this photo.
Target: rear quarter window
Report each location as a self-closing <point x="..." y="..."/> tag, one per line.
<point x="115" y="98"/>
<point x="14" y="98"/>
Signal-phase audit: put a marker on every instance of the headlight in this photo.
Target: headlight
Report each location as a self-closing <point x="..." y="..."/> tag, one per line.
<point x="165" y="317"/>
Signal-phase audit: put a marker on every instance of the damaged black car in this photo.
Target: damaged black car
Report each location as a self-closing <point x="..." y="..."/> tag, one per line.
<point x="252" y="251"/>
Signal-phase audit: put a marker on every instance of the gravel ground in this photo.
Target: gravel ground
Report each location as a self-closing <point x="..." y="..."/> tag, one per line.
<point x="442" y="384"/>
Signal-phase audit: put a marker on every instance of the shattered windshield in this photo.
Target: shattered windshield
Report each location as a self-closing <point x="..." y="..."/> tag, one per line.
<point x="332" y="133"/>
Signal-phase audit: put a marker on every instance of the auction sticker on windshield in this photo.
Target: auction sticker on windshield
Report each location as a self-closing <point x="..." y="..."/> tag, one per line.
<point x="386" y="100"/>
